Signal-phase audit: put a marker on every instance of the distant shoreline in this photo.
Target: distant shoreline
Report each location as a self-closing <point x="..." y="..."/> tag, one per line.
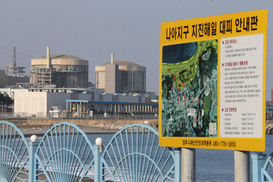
<point x="40" y="131"/>
<point x="39" y="126"/>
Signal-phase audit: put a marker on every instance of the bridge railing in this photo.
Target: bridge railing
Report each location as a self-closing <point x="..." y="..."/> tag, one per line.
<point x="66" y="154"/>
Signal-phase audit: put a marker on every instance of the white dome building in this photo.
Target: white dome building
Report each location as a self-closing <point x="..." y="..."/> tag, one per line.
<point x="121" y="77"/>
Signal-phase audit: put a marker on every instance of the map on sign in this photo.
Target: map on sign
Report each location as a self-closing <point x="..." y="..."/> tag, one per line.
<point x="189" y="89"/>
<point x="212" y="82"/>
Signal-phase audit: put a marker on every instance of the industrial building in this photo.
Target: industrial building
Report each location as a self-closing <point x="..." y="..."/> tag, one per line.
<point x="13" y="74"/>
<point x="121" y="77"/>
<point x="38" y="101"/>
<point x="60" y="81"/>
<point x="15" y="71"/>
<point x="59" y="71"/>
<point x="7" y="81"/>
<point x="110" y="109"/>
<point x="84" y="101"/>
<point x="12" y="69"/>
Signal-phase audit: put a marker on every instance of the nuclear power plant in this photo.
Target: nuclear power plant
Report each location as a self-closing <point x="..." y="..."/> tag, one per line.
<point x="121" y="77"/>
<point x="61" y="81"/>
<point x="59" y="71"/>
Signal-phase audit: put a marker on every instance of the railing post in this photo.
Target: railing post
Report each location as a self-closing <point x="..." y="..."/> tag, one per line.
<point x="177" y="163"/>
<point x="97" y="157"/>
<point x="33" y="145"/>
<point x="258" y="160"/>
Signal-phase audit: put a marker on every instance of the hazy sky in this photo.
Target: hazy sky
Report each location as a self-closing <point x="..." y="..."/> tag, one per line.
<point x="93" y="29"/>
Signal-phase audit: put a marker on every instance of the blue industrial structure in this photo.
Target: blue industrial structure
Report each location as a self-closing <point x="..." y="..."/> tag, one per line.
<point x="88" y="109"/>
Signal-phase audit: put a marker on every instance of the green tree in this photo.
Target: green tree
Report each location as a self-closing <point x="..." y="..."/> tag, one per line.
<point x="5" y="99"/>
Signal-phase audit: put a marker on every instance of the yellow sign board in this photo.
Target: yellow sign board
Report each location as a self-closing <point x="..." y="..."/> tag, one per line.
<point x="212" y="82"/>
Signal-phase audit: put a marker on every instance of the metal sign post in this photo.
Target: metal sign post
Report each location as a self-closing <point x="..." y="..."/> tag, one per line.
<point x="241" y="166"/>
<point x="188" y="165"/>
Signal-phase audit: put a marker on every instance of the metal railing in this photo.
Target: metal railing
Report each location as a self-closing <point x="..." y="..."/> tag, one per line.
<point x="66" y="154"/>
<point x="14" y="153"/>
<point x="262" y="167"/>
<point x="133" y="154"/>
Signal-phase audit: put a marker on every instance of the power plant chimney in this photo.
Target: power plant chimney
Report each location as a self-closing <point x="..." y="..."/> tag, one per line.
<point x="112" y="58"/>
<point x="48" y="57"/>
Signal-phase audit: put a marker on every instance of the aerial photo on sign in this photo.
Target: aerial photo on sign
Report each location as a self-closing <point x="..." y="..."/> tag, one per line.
<point x="189" y="89"/>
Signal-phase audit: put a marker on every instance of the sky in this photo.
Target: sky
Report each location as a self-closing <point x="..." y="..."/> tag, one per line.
<point x="93" y="29"/>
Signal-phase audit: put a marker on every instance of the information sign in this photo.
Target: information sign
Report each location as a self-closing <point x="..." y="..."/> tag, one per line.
<point x="212" y="82"/>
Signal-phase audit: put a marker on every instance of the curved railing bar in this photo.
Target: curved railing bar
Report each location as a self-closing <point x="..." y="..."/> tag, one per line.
<point x="268" y="177"/>
<point x="54" y="131"/>
<point x="9" y="149"/>
<point x="22" y="180"/>
<point x="141" y="154"/>
<point x="74" y="154"/>
<point x="12" y="132"/>
<point x="134" y="128"/>
<point x="17" y="130"/>
<point x="63" y="149"/>
<point x="17" y="161"/>
<point x="71" y="125"/>
<point x="42" y="166"/>
<point x="167" y="174"/>
<point x="86" y="171"/>
<point x="21" y="171"/>
<point x="109" y="170"/>
<point x="130" y="126"/>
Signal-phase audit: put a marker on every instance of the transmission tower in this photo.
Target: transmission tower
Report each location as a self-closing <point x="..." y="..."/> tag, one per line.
<point x="14" y="56"/>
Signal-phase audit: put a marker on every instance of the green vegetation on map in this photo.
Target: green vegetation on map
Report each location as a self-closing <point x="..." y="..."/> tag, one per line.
<point x="189" y="89"/>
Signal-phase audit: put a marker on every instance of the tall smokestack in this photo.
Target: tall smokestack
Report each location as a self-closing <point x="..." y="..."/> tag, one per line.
<point x="48" y="57"/>
<point x="112" y="58"/>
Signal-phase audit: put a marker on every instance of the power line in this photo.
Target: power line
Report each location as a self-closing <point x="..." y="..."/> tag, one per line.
<point x="20" y="52"/>
<point x="13" y="56"/>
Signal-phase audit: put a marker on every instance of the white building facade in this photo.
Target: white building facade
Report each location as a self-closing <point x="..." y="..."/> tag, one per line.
<point x="37" y="103"/>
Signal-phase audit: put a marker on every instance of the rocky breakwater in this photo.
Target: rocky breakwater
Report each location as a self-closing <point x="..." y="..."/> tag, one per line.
<point x="89" y="125"/>
<point x="269" y="127"/>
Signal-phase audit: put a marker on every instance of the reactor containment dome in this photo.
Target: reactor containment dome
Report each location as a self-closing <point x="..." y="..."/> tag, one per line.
<point x="59" y="71"/>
